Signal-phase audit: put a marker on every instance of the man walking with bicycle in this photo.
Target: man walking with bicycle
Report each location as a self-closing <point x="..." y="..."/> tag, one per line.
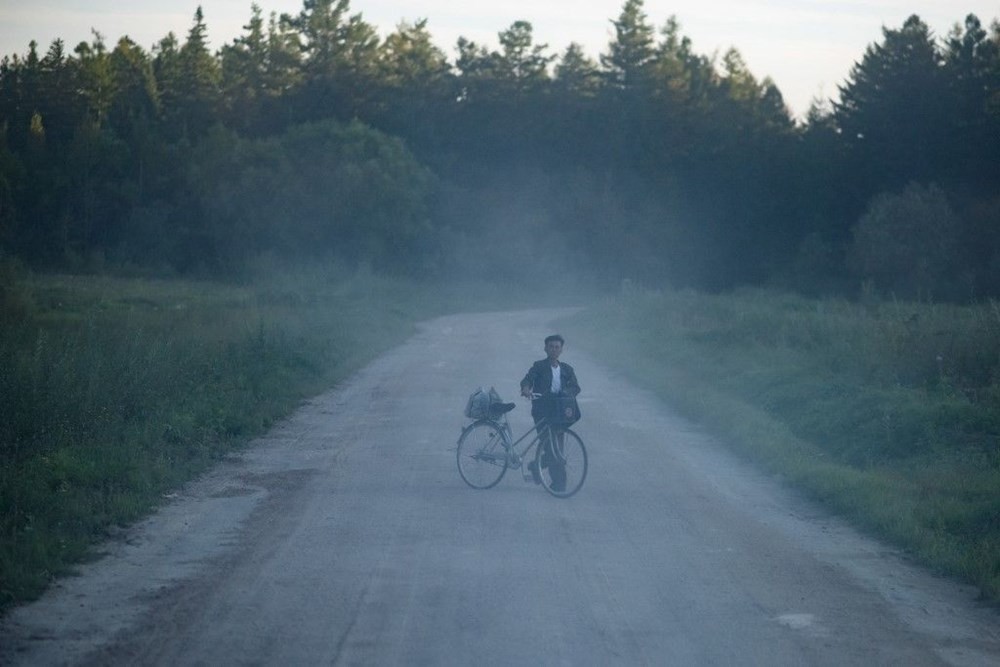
<point x="546" y="382"/>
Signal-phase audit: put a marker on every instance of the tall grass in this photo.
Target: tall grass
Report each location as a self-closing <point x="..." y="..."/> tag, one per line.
<point x="887" y="411"/>
<point x="113" y="391"/>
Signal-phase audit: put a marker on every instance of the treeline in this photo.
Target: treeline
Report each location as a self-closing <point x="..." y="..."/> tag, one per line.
<point x="311" y="134"/>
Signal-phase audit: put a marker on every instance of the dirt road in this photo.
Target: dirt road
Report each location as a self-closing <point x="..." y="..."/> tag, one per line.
<point x="347" y="537"/>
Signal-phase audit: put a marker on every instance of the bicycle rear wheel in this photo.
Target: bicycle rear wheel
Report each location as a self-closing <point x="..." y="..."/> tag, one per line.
<point x="563" y="467"/>
<point x="482" y="456"/>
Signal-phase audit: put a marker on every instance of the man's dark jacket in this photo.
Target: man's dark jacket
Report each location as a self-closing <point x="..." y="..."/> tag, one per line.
<point x="539" y="378"/>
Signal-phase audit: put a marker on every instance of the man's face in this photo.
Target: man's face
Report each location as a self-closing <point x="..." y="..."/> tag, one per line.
<point x="553" y="349"/>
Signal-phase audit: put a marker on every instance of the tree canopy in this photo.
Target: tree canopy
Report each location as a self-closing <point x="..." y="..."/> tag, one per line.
<point x="650" y="161"/>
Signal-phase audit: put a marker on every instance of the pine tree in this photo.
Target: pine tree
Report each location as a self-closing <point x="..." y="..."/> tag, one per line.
<point x="631" y="52"/>
<point x="411" y="61"/>
<point x="972" y="69"/>
<point x="340" y="56"/>
<point x="576" y="74"/>
<point x="416" y="85"/>
<point x="134" y="103"/>
<point x="892" y="110"/>
<point x="521" y="65"/>
<point x="198" y="88"/>
<point x="244" y="74"/>
<point x="168" y="74"/>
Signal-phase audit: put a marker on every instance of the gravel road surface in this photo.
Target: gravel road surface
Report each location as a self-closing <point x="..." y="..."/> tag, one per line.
<point x="345" y="536"/>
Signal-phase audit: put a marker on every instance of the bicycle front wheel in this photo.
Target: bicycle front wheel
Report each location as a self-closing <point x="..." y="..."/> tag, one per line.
<point x="562" y="463"/>
<point x="482" y="456"/>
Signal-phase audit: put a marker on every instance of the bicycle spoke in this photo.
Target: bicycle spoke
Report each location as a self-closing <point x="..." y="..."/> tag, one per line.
<point x="562" y="462"/>
<point x="482" y="454"/>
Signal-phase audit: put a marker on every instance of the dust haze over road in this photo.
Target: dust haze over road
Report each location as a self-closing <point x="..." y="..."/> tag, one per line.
<point x="346" y="536"/>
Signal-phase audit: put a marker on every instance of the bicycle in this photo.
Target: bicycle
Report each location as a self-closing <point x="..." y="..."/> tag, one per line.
<point x="487" y="449"/>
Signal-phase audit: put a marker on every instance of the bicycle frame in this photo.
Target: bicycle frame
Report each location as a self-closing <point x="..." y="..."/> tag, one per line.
<point x="515" y="458"/>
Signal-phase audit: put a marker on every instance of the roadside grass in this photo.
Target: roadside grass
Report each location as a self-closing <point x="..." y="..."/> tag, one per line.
<point x="888" y="412"/>
<point x="114" y="391"/>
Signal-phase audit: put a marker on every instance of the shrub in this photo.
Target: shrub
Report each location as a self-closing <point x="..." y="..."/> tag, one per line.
<point x="907" y="244"/>
<point x="316" y="190"/>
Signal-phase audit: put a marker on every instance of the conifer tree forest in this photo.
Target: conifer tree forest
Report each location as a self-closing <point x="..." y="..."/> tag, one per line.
<point x="310" y="136"/>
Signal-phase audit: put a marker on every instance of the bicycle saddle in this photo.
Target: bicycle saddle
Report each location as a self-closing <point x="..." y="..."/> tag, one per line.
<point x="498" y="409"/>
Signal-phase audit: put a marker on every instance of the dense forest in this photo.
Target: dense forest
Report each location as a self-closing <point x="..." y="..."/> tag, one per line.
<point x="310" y="136"/>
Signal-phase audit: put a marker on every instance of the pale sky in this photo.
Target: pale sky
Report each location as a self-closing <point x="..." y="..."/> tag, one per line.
<point x="806" y="46"/>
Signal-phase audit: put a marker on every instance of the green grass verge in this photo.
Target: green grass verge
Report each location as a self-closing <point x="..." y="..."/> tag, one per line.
<point x="887" y="412"/>
<point x="114" y="391"/>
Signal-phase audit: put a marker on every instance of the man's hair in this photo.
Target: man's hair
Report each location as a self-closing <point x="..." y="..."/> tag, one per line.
<point x="549" y="339"/>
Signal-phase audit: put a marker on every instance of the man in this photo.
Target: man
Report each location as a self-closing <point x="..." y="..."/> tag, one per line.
<point x="549" y="379"/>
